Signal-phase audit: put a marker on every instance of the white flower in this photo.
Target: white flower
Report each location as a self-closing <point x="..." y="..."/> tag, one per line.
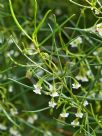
<point x="75" y="123"/>
<point x="79" y="40"/>
<point x="50" y="87"/>
<point x="85" y="103"/>
<point x="78" y="77"/>
<point x="95" y="53"/>
<point x="11" y="52"/>
<point x="79" y="114"/>
<point x="64" y="114"/>
<point x="2" y="127"/>
<point x="35" y="117"/>
<point x="13" y="111"/>
<point x="47" y="133"/>
<point x="37" y="89"/>
<point x="10" y="41"/>
<point x="97" y="12"/>
<point x="97" y="67"/>
<point x="14" y="132"/>
<point x="54" y="94"/>
<point x="76" y="85"/>
<point x="82" y="78"/>
<point x="76" y="42"/>
<point x="40" y="73"/>
<point x="32" y="119"/>
<point x="73" y="44"/>
<point x="99" y="29"/>
<point x="89" y="73"/>
<point x="10" y="89"/>
<point x="30" y="51"/>
<point x="52" y="104"/>
<point x="16" y="54"/>
<point x="32" y="46"/>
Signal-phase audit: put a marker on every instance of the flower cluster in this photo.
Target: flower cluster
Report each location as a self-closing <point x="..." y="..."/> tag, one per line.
<point x="78" y="115"/>
<point x="52" y="103"/>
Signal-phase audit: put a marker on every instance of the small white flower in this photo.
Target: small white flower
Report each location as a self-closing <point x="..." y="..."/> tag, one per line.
<point x="40" y="73"/>
<point x="10" y="89"/>
<point x="97" y="12"/>
<point x="37" y="89"/>
<point x="3" y="127"/>
<point x="73" y="44"/>
<point x="99" y="29"/>
<point x="13" y="111"/>
<point x="75" y="123"/>
<point x="47" y="133"/>
<point x="79" y="40"/>
<point x="76" y="42"/>
<point x="79" y="114"/>
<point x="10" y="41"/>
<point x="97" y="67"/>
<point x="85" y="103"/>
<point x="64" y="114"/>
<point x="54" y="94"/>
<point x="89" y="73"/>
<point x="82" y="78"/>
<point x="14" y="132"/>
<point x="78" y="77"/>
<point x="30" y="51"/>
<point x="50" y="87"/>
<point x="16" y="54"/>
<point x="95" y="53"/>
<point x="92" y="8"/>
<point x="35" y="117"/>
<point x="76" y="85"/>
<point x="32" y="119"/>
<point x="32" y="46"/>
<point x="11" y="52"/>
<point x="52" y="104"/>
